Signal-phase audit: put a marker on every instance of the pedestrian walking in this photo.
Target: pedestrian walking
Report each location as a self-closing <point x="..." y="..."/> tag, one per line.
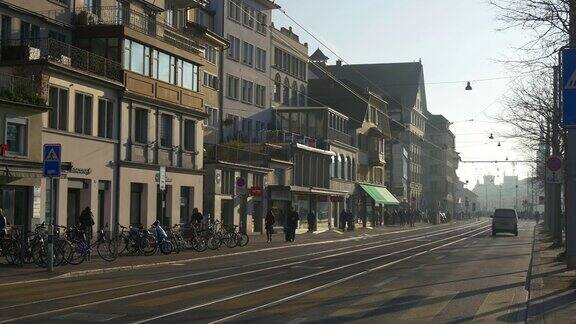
<point x="350" y="220"/>
<point x="311" y="218"/>
<point x="86" y="221"/>
<point x="293" y="218"/>
<point x="343" y="217"/>
<point x="269" y="225"/>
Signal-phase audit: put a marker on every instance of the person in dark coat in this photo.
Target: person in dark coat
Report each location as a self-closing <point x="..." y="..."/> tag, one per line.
<point x="342" y="223"/>
<point x="311" y="218"/>
<point x="292" y="223"/>
<point x="269" y="225"/>
<point x="86" y="221"/>
<point x="3" y="224"/>
<point x="196" y="217"/>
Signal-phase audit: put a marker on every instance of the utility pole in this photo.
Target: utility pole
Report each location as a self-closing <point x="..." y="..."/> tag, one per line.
<point x="570" y="176"/>
<point x="555" y="187"/>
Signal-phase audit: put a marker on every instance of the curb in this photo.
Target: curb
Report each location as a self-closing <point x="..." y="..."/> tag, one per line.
<point x="528" y="284"/>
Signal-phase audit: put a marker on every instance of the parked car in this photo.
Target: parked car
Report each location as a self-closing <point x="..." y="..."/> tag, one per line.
<point x="505" y="220"/>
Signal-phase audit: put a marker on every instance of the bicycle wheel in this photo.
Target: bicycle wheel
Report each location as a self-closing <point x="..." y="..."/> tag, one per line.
<point x="65" y="252"/>
<point x="214" y="241"/>
<point x="230" y="240"/>
<point x="199" y="244"/>
<point x="12" y="253"/>
<point x="148" y="245"/>
<point x="79" y="252"/>
<point x="107" y="251"/>
<point x="166" y="247"/>
<point x="243" y="239"/>
<point x="39" y="254"/>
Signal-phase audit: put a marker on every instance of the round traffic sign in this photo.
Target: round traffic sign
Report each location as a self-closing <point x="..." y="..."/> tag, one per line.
<point x="554" y="163"/>
<point x="240" y="182"/>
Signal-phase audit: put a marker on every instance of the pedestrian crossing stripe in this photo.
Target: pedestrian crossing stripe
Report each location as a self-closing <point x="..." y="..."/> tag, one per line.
<point x="51" y="156"/>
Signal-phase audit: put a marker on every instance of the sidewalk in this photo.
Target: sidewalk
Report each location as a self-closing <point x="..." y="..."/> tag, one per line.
<point x="11" y="274"/>
<point x="552" y="286"/>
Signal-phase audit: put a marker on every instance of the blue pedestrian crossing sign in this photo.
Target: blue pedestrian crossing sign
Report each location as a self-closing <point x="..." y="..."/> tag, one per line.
<point x="52" y="159"/>
<point x="569" y="86"/>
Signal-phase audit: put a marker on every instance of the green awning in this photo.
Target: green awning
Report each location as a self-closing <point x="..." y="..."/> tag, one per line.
<point x="380" y="195"/>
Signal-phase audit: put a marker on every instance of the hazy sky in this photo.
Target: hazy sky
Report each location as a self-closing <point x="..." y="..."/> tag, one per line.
<point x="457" y="40"/>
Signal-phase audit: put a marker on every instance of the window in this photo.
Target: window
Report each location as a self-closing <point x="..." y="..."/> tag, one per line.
<point x="232" y="87"/>
<point x="234" y="10"/>
<point x="164" y="66"/>
<point x="277" y="58"/>
<point x="262" y="23"/>
<point x="58" y="116"/>
<point x="17" y="135"/>
<point x="136" y="57"/>
<point x="212" y="119"/>
<point x="234" y="49"/>
<point x="294" y="98"/>
<point x="302" y="96"/>
<point x="166" y="125"/>
<point x="189" y="76"/>
<point x="248" y="16"/>
<point x="210" y="80"/>
<point x="277" y="88"/>
<point x="83" y="120"/>
<point x="248" y="54"/>
<point x="211" y="54"/>
<point x="6" y="28"/>
<point x="228" y="182"/>
<point x="105" y="118"/>
<point x="141" y="126"/>
<point x="286" y="93"/>
<point x="260" y="59"/>
<point x="260" y="95"/>
<point x="258" y="180"/>
<point x="247" y="91"/>
<point x="189" y="135"/>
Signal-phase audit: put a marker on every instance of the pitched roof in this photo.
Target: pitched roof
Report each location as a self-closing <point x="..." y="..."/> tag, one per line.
<point x="318" y="56"/>
<point x="396" y="81"/>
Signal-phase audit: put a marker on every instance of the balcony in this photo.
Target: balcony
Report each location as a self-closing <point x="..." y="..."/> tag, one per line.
<point x="140" y="22"/>
<point x="339" y="136"/>
<point x="15" y="89"/>
<point x="51" y="50"/>
<point x="285" y="137"/>
<point x="232" y="153"/>
<point x="172" y="157"/>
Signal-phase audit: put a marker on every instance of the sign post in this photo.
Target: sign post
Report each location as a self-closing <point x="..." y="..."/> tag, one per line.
<point x="162" y="185"/>
<point x="51" y="168"/>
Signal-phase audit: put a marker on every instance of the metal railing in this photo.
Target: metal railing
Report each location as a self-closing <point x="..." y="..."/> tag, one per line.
<point x="145" y="23"/>
<point x="20" y="89"/>
<point x="14" y="50"/>
<point x="282" y="136"/>
<point x="229" y="153"/>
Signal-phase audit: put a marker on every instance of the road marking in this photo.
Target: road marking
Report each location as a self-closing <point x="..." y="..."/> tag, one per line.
<point x="418" y="268"/>
<point x="297" y="320"/>
<point x="217" y="301"/>
<point x="388" y="243"/>
<point x="385" y="282"/>
<point x="440" y="257"/>
<point x="307" y="267"/>
<point x="427" y="310"/>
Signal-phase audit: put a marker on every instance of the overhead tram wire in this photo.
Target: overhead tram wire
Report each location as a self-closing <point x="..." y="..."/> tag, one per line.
<point x="271" y="30"/>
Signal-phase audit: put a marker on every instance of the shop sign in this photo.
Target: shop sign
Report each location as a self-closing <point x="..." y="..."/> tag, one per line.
<point x="84" y="171"/>
<point x="256" y="192"/>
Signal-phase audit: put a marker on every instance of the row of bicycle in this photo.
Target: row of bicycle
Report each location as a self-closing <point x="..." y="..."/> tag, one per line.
<point x="71" y="245"/>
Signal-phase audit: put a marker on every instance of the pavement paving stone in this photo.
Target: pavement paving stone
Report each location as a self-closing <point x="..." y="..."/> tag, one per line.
<point x="552" y="286"/>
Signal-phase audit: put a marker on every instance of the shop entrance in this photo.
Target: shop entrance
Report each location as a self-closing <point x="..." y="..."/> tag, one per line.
<point x="73" y="207"/>
<point x="15" y="203"/>
<point x="227" y="212"/>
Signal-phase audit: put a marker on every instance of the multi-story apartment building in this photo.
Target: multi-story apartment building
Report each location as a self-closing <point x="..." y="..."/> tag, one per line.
<point x="289" y="69"/>
<point x="370" y="129"/>
<point x="322" y="158"/>
<point x="123" y="83"/>
<point x="402" y="86"/>
<point x="442" y="163"/>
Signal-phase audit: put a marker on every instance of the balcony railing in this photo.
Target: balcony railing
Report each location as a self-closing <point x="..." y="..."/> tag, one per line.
<point x="16" y="50"/>
<point x="20" y="89"/>
<point x="285" y="137"/>
<point x="339" y="136"/>
<point x="233" y="154"/>
<point x="141" y="22"/>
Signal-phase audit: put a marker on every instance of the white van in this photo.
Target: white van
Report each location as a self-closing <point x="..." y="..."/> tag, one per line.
<point x="505" y="220"/>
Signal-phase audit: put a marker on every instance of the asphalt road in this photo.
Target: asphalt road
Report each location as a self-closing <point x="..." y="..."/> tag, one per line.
<point x="450" y="273"/>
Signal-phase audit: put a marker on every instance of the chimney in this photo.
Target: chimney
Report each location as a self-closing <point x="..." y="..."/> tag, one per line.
<point x="338" y="63"/>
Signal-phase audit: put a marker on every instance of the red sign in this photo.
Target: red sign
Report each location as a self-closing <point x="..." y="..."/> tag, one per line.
<point x="554" y="163"/>
<point x="256" y="192"/>
<point x="3" y="149"/>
